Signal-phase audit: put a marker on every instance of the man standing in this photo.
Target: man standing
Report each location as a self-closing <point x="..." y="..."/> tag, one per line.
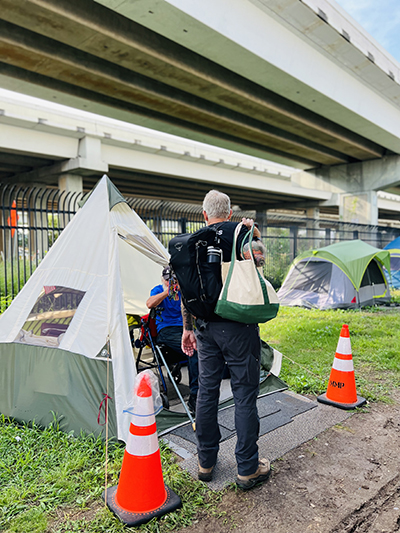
<point x="169" y="328"/>
<point x="218" y="341"/>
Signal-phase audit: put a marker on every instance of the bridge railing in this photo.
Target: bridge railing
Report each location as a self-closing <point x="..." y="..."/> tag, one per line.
<point x="31" y="219"/>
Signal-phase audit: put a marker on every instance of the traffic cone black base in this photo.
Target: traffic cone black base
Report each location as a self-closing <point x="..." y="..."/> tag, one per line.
<point x="347" y="406"/>
<point x="129" y="518"/>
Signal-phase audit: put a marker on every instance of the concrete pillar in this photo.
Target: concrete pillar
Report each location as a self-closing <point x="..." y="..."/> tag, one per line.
<point x="359" y="208"/>
<point x="312" y="227"/>
<point x="70" y="183"/>
<point x="70" y="186"/>
<point x="328" y="236"/>
<point x="262" y="221"/>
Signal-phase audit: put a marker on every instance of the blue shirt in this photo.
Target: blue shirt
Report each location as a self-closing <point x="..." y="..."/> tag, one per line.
<point x="170" y="310"/>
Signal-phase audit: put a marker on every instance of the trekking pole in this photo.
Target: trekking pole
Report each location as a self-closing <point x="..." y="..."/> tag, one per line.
<point x="176" y="387"/>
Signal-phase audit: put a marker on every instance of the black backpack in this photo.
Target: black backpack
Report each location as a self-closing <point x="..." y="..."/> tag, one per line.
<point x="200" y="281"/>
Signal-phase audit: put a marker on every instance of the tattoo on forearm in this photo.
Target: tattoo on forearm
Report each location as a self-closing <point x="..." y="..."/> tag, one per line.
<point x="187" y="318"/>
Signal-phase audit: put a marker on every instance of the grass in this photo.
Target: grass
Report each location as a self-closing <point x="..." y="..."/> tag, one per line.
<point x="51" y="482"/>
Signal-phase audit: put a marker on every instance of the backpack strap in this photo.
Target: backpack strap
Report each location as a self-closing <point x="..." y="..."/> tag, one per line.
<point x="202" y="289"/>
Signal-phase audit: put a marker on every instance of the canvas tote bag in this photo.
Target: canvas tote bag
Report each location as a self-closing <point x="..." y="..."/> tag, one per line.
<point x="246" y="296"/>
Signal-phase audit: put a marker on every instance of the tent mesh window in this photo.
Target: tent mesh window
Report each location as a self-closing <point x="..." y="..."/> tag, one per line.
<point x="372" y="275"/>
<point x="50" y="316"/>
<point x="312" y="277"/>
<point x="394" y="263"/>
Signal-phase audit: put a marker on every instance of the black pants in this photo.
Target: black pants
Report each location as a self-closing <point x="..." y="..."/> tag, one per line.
<point x="239" y="346"/>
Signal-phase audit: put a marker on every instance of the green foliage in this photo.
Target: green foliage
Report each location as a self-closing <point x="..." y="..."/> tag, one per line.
<point x="278" y="257"/>
<point x="5" y="302"/>
<point x="308" y="340"/>
<point x="52" y="231"/>
<point x="13" y="276"/>
<point x="395" y="296"/>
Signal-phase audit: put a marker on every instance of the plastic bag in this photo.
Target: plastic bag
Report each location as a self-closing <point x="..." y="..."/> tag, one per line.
<point x="155" y="389"/>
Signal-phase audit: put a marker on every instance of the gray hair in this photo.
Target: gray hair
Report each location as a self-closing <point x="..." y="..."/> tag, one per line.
<point x="217" y="204"/>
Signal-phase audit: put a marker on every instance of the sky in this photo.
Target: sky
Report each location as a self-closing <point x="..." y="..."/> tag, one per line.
<point x="380" y="18"/>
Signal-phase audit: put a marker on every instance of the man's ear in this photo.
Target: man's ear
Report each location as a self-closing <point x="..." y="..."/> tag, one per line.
<point x="205" y="216"/>
<point x="230" y="214"/>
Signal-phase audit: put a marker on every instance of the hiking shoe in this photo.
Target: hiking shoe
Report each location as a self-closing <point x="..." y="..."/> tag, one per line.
<point x="205" y="474"/>
<point x="260" y="475"/>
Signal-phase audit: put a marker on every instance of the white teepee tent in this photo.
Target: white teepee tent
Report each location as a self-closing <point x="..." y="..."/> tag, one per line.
<point x="52" y="337"/>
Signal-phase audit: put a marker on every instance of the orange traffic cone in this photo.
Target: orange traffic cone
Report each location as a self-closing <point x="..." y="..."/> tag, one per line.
<point x="341" y="390"/>
<point x="141" y="494"/>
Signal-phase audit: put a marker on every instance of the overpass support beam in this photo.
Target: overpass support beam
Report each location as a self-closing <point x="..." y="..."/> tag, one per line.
<point x="88" y="162"/>
<point x="355" y="186"/>
<point x="373" y="175"/>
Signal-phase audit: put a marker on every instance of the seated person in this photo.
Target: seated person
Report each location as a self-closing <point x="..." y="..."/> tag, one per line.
<point x="169" y="328"/>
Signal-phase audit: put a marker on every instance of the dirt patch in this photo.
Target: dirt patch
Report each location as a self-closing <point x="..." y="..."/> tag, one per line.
<point x="61" y="517"/>
<point x="346" y="480"/>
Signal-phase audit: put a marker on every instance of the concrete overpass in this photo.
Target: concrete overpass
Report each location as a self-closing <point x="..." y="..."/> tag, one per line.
<point x="47" y="144"/>
<point x="297" y="82"/>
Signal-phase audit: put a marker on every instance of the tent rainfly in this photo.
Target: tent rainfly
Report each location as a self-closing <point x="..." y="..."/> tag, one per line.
<point x="344" y="275"/>
<point x="394" y="250"/>
<point x="64" y="340"/>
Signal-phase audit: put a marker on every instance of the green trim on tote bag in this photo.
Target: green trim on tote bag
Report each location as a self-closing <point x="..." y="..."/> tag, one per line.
<point x="247" y="314"/>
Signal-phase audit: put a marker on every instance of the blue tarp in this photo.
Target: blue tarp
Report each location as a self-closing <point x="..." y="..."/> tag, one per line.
<point x="394" y="249"/>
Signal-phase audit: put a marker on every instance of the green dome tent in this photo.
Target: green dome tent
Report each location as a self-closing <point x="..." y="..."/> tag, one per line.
<point x="343" y="275"/>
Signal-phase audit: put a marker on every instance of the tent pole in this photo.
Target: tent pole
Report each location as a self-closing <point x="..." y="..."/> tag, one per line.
<point x="176" y="388"/>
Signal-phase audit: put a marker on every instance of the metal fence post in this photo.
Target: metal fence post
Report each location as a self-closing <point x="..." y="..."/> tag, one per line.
<point x="182" y="225"/>
<point x="294" y="230"/>
<point x="328" y="237"/>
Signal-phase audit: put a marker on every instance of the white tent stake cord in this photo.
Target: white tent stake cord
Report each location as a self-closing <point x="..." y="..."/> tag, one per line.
<point x="176" y="388"/>
<point x="106" y="463"/>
